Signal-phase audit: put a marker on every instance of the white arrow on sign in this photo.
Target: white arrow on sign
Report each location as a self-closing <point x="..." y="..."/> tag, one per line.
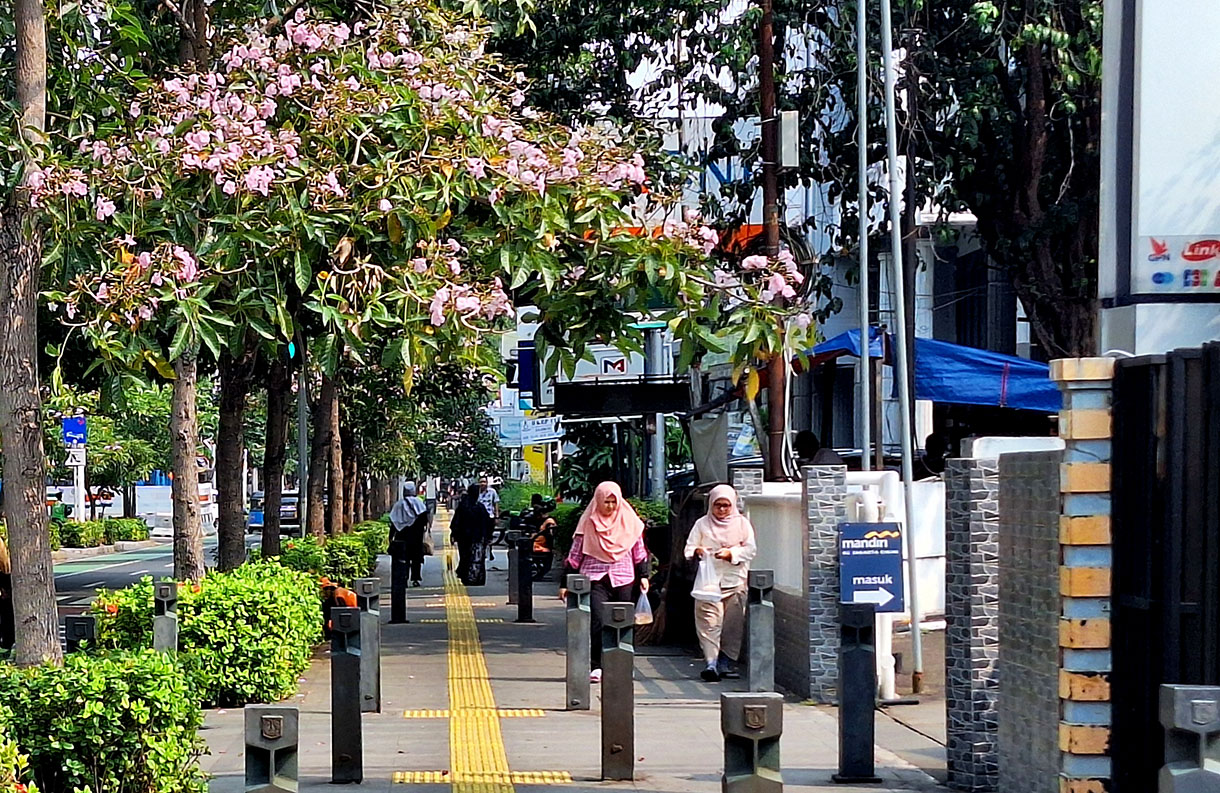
<point x="878" y="596"/>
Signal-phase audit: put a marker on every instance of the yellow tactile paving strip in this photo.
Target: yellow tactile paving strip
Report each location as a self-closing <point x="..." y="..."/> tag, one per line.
<point x="503" y="713"/>
<point x="485" y="621"/>
<point x="517" y="777"/>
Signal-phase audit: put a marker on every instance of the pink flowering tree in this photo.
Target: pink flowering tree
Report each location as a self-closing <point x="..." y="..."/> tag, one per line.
<point x="382" y="187"/>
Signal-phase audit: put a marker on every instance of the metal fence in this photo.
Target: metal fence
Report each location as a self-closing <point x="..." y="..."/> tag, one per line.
<point x="1166" y="540"/>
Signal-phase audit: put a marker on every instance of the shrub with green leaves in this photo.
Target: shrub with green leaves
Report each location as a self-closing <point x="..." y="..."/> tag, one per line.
<point x="515" y="496"/>
<point x="566" y="516"/>
<point x="14" y="765"/>
<point x="376" y="536"/>
<point x="123" y="721"/>
<point x="88" y="534"/>
<point x="125" y="530"/>
<point x="303" y="554"/>
<point x="243" y="636"/>
<point x="347" y="558"/>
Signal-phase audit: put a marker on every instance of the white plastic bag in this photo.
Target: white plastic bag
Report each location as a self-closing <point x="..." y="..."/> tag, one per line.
<point x="707" y="583"/>
<point x="643" y="611"/>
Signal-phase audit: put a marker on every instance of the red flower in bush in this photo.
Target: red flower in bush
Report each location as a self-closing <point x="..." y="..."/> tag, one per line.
<point x="112" y="608"/>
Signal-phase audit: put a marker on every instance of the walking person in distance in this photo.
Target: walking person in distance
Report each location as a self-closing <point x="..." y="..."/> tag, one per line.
<point x="409" y="519"/>
<point x="608" y="549"/>
<point x="724" y="539"/>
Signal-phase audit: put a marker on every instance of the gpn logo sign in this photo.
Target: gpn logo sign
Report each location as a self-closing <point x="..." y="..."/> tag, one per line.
<point x="870" y="565"/>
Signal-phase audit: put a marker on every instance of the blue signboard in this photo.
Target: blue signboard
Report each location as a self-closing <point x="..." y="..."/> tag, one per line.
<point x="75" y="430"/>
<point x="870" y="565"/>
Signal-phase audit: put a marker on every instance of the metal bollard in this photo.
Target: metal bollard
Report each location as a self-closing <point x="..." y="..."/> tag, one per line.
<point x="618" y="691"/>
<point x="761" y="613"/>
<point x="525" y="578"/>
<point x="578" y="642"/>
<point x="752" y="724"/>
<point x="347" y="746"/>
<point x="857" y="693"/>
<point x="398" y="589"/>
<point x="272" y="736"/>
<point x="165" y="616"/>
<point x="514" y="565"/>
<point x="368" y="596"/>
<point x="1191" y="718"/>
<point x="79" y="628"/>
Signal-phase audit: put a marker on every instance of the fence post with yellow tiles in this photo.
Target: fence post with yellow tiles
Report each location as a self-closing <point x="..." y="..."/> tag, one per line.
<point x="1085" y="572"/>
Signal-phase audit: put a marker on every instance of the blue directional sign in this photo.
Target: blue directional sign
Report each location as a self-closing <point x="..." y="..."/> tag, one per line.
<point x="870" y="565"/>
<point x="75" y="430"/>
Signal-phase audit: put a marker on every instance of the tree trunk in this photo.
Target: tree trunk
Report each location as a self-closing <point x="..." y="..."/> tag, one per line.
<point x="279" y="391"/>
<point x="34" y="610"/>
<point x="336" y="511"/>
<point x="362" y="495"/>
<point x="349" y="480"/>
<point x="184" y="448"/>
<point x="319" y="455"/>
<point x="129" y="500"/>
<point x="236" y="377"/>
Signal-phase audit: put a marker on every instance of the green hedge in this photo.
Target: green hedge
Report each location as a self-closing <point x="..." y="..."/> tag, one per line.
<point x="52" y="529"/>
<point x="87" y="534"/>
<point x="125" y="530"/>
<point x="14" y="765"/>
<point x="515" y="496"/>
<point x="105" y="722"/>
<point x="567" y="515"/>
<point x="244" y="636"/>
<point x="342" y="559"/>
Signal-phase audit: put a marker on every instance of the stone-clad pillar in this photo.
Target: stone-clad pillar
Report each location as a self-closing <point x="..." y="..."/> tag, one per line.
<point x="972" y="615"/>
<point x="1085" y="572"/>
<point x="825" y="498"/>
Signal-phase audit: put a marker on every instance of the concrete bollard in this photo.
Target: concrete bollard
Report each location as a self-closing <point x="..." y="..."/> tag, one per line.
<point x="752" y="724"/>
<point x="165" y="616"/>
<point x="618" y="692"/>
<point x="761" y="641"/>
<point x="579" y="618"/>
<point x="398" y="588"/>
<point x="1191" y="718"/>
<point x="368" y="596"/>
<point x="79" y="628"/>
<point x="525" y="579"/>
<point x="857" y="693"/>
<point x="514" y="566"/>
<point x="347" y="745"/>
<point x="272" y="738"/>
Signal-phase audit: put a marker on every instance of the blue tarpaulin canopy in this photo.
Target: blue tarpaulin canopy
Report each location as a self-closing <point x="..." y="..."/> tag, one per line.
<point x="956" y="375"/>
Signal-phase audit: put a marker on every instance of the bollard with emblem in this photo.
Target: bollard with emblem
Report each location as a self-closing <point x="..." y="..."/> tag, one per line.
<point x="79" y="628"/>
<point x="618" y="692"/>
<point x="1191" y="718"/>
<point x="857" y="693"/>
<point x="511" y="538"/>
<point x="347" y="746"/>
<point x="165" y="616"/>
<point x="525" y="578"/>
<point x="579" y="617"/>
<point x="368" y="596"/>
<point x="761" y="641"/>
<point x="272" y="735"/>
<point x="752" y="724"/>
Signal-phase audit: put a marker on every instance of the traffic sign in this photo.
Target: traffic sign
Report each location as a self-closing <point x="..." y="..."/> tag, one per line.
<point x="75" y="430"/>
<point x="76" y="457"/>
<point x="870" y="565"/>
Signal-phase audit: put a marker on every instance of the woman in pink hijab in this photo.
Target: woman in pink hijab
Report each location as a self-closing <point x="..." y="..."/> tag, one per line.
<point x="725" y="537"/>
<point x="609" y="550"/>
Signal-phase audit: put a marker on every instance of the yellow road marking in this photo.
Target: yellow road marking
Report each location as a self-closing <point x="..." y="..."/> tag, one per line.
<point x="503" y="713"/>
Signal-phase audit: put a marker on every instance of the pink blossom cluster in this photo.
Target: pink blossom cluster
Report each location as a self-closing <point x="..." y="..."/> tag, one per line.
<point x="693" y="231"/>
<point x="617" y="174"/>
<point x="780" y="282"/>
<point x="135" y="287"/>
<point x="466" y="304"/>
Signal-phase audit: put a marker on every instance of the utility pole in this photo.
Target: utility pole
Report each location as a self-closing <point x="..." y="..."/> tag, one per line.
<point x="901" y="360"/>
<point x="866" y="362"/>
<point x="777" y="368"/>
<point x="302" y="440"/>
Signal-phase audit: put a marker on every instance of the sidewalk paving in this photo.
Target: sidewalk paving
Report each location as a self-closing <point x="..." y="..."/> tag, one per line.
<point x="679" y="747"/>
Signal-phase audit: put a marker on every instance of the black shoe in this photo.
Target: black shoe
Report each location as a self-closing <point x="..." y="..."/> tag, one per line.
<point x="728" y="672"/>
<point x="710" y="674"/>
<point x="416" y="583"/>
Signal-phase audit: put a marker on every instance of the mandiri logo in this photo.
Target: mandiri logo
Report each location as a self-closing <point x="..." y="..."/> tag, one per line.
<point x="1160" y="250"/>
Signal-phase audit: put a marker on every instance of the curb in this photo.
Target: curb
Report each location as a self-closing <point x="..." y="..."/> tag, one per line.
<point x="74" y="554"/>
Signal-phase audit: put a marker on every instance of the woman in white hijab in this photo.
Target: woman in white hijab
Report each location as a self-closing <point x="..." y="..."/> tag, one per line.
<point x="724" y="537"/>
<point x="408" y="521"/>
